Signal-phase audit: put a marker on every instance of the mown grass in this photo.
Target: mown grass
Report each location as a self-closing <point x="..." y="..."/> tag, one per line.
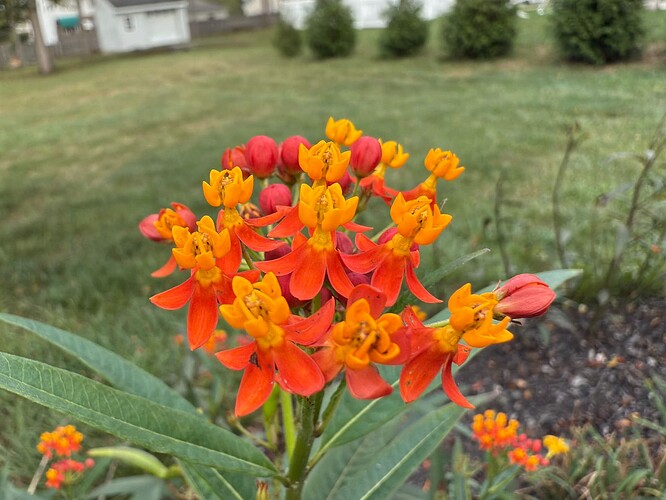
<point x="87" y="152"/>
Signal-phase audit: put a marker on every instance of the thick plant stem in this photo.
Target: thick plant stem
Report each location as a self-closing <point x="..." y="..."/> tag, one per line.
<point x="309" y="412"/>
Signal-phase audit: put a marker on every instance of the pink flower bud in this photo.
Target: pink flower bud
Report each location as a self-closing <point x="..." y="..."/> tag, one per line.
<point x="343" y="243"/>
<point x="524" y="296"/>
<point x="273" y="196"/>
<point x="261" y="155"/>
<point x="366" y="153"/>
<point x="346" y="182"/>
<point x="289" y="153"/>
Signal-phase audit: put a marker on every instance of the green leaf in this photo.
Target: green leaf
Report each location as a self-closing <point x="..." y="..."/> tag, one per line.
<point x="116" y="370"/>
<point x="139" y="487"/>
<point x="210" y="484"/>
<point x="390" y="467"/>
<point x="138" y="420"/>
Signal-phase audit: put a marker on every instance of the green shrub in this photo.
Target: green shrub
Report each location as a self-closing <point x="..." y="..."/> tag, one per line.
<point x="480" y="29"/>
<point x="330" y="29"/>
<point x="406" y="32"/>
<point x="598" y="31"/>
<point x="287" y="39"/>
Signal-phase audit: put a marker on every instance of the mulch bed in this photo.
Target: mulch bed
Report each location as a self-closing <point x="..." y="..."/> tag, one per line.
<point x="563" y="371"/>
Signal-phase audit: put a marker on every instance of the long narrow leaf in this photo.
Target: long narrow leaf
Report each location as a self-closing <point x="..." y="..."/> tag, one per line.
<point x="138" y="420"/>
<point x="212" y="485"/>
<point x="116" y="370"/>
<point x="390" y="467"/>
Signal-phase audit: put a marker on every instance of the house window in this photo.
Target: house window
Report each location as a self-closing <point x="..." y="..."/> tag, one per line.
<point x="128" y="23"/>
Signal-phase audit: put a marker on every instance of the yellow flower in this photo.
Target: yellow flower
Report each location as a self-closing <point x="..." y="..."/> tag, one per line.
<point x="325" y="207"/>
<point x="417" y="221"/>
<point x="443" y="164"/>
<point x="323" y="161"/>
<point x="228" y="188"/>
<point x="392" y="154"/>
<point x="200" y="248"/>
<point x="555" y="445"/>
<point x="342" y="131"/>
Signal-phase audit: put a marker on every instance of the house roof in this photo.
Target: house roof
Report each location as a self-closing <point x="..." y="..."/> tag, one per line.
<point x="202" y="6"/>
<point x="134" y="3"/>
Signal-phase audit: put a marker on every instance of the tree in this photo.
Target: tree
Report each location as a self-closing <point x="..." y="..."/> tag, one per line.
<point x="44" y="57"/>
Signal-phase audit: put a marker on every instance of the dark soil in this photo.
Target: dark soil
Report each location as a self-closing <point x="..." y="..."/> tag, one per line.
<point x="563" y="371"/>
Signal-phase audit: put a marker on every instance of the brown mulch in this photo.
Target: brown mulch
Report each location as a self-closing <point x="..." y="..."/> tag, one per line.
<point x="563" y="371"/>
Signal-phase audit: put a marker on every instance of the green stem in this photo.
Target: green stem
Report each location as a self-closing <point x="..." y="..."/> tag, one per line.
<point x="248" y="259"/>
<point x="309" y="408"/>
<point x="288" y="421"/>
<point x="330" y="409"/>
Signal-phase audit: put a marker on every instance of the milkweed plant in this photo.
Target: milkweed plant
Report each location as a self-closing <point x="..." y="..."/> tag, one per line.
<point x="320" y="315"/>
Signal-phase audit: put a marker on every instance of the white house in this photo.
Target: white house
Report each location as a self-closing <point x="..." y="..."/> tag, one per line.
<point x="64" y="13"/>
<point x="366" y="13"/>
<point x="126" y="25"/>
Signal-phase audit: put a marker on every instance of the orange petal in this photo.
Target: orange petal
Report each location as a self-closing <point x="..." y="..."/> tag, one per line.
<point x="201" y="316"/>
<point x="416" y="287"/>
<point x="256" y="241"/>
<point x="417" y="373"/>
<point x="388" y="277"/>
<point x="366" y="261"/>
<point x="238" y="357"/>
<point x="256" y="384"/>
<point x="166" y="269"/>
<point x="376" y="298"/>
<point x="308" y="277"/>
<point x="298" y="371"/>
<point x="289" y="226"/>
<point x="176" y="297"/>
<point x="337" y="274"/>
<point x="282" y="265"/>
<point x="450" y="387"/>
<point x="367" y="383"/>
<point x="310" y="330"/>
<point x="327" y="362"/>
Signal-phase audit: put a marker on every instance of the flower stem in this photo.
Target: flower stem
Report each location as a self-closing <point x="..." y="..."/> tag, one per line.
<point x="288" y="421"/>
<point x="38" y="475"/>
<point x="309" y="411"/>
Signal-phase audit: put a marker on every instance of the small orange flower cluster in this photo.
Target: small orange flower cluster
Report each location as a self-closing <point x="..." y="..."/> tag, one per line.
<point x="66" y="471"/>
<point x="299" y="276"/>
<point x="499" y="435"/>
<point x="62" y="442"/>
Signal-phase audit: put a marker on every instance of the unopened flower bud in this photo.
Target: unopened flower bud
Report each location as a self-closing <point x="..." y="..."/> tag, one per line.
<point x="233" y="157"/>
<point x="524" y="296"/>
<point x="289" y="153"/>
<point x="273" y="196"/>
<point x="261" y="155"/>
<point x="366" y="153"/>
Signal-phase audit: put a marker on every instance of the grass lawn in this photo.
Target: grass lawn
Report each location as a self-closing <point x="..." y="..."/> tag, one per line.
<point x="90" y="150"/>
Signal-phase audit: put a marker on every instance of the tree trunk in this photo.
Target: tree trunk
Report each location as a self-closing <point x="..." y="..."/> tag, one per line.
<point x="44" y="58"/>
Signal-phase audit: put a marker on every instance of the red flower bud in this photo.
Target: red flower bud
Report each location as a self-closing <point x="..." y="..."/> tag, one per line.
<point x="273" y="196"/>
<point x="346" y="182"/>
<point x="524" y="296"/>
<point x="289" y="153"/>
<point x="261" y="155"/>
<point x="234" y="157"/>
<point x="366" y="153"/>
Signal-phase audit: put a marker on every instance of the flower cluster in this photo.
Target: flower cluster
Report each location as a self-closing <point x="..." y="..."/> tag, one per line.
<point x="62" y="442"/>
<point x="302" y="279"/>
<point x="499" y="436"/>
<point x="65" y="472"/>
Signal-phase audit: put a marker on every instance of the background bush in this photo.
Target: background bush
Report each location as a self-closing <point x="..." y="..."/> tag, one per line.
<point x="598" y="31"/>
<point x="330" y="29"/>
<point x="406" y="32"/>
<point x="480" y="29"/>
<point x="287" y="39"/>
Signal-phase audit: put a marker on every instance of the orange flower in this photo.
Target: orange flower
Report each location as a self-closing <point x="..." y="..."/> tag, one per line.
<point x="158" y="227"/>
<point x="321" y="209"/>
<point x="442" y="165"/>
<point x="228" y="188"/>
<point x="342" y="131"/>
<point x="432" y="350"/>
<point x="262" y="311"/>
<point x="66" y="472"/>
<point x="494" y="431"/>
<point x="204" y="253"/>
<point x="417" y="224"/>
<point x="366" y="336"/>
<point x="63" y="441"/>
